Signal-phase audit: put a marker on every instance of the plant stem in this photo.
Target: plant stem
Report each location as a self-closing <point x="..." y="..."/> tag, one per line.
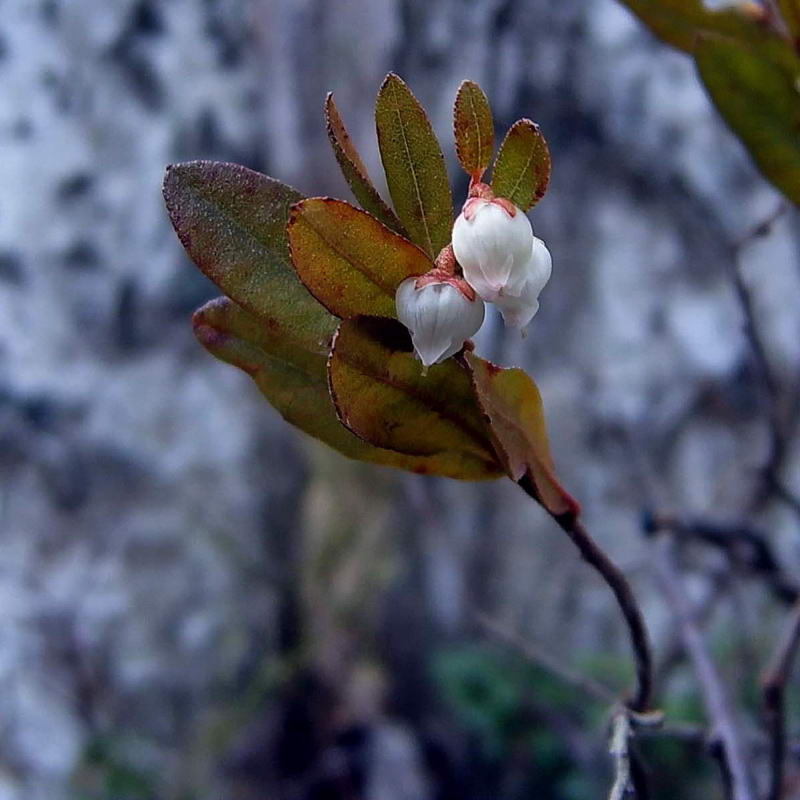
<point x="726" y="740"/>
<point x="773" y="684"/>
<point x="618" y="583"/>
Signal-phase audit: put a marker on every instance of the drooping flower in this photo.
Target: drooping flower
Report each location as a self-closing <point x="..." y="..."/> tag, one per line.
<point x="441" y="312"/>
<point x="492" y="241"/>
<point x="520" y="302"/>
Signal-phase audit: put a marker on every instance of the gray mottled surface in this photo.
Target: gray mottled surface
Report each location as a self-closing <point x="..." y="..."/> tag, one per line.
<point x="150" y="505"/>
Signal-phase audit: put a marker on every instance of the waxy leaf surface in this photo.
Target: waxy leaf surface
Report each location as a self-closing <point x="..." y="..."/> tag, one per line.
<point x="415" y="167"/>
<point x="473" y="129"/>
<point x="513" y="406"/>
<point x="348" y="260"/>
<point x="382" y="395"/>
<point x="292" y="375"/>
<point x="755" y="88"/>
<point x="354" y="171"/>
<point x="522" y="170"/>
<point x="232" y="222"/>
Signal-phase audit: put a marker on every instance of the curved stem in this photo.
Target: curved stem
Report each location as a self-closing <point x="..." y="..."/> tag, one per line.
<point x="618" y="583"/>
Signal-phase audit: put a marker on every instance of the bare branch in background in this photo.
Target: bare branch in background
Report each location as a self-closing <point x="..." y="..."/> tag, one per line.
<point x="590" y="687"/>
<point x="745" y="546"/>
<point x="774" y="683"/>
<point x="724" y="728"/>
<point x="776" y="405"/>
<point x="620" y="737"/>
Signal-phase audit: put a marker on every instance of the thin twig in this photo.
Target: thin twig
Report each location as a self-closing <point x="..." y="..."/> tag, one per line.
<point x="744" y="545"/>
<point x="620" y="737"/>
<point x="618" y="583"/>
<point x="773" y="685"/>
<point x="724" y="729"/>
<point x="773" y="402"/>
<point x="589" y="686"/>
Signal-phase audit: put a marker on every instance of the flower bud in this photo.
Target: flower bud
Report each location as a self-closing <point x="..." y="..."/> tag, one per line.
<point x="492" y="241"/>
<point x="521" y="301"/>
<point x="441" y="312"/>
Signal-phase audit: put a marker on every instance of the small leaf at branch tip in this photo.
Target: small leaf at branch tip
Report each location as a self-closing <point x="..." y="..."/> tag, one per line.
<point x="522" y="167"/>
<point x="416" y="173"/>
<point x="473" y="129"/>
<point x="354" y="170"/>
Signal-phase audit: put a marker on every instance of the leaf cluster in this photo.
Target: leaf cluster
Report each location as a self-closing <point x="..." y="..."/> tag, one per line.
<point x="309" y="285"/>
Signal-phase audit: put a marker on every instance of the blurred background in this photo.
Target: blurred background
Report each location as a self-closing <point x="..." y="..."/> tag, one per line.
<point x="198" y="602"/>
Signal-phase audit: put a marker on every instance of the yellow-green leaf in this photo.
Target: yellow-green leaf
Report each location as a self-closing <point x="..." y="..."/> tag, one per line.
<point x="415" y="169"/>
<point x="473" y="129"/>
<point x="349" y="261"/>
<point x="757" y="91"/>
<point x="382" y="395"/>
<point x="522" y="170"/>
<point x="680" y="22"/>
<point x="292" y="375"/>
<point x="354" y="171"/>
<point x="513" y="406"/>
<point x="232" y="222"/>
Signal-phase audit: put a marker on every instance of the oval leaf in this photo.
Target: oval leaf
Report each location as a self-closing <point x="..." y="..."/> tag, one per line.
<point x="522" y="170"/>
<point x="382" y="396"/>
<point x="349" y="261"/>
<point x="473" y="129"/>
<point x="756" y="91"/>
<point x="292" y="375"/>
<point x="414" y="165"/>
<point x="513" y="407"/>
<point x="232" y="222"/>
<point x="354" y="171"/>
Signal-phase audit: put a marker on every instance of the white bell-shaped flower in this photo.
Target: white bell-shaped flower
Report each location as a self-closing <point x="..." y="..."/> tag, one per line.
<point x="439" y="316"/>
<point x="522" y="302"/>
<point x="492" y="241"/>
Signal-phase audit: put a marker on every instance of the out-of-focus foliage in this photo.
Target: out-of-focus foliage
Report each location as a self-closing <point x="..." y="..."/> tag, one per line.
<point x="749" y="60"/>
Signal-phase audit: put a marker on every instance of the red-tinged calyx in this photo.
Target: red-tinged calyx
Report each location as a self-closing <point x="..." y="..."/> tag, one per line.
<point x="438" y="275"/>
<point x="480" y="193"/>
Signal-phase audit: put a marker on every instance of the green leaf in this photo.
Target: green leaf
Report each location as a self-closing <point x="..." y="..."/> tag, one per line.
<point x="354" y="171"/>
<point x="381" y="395"/>
<point x="232" y="222"/>
<point x="473" y="129"/>
<point x="513" y="406"/>
<point x="680" y="22"/>
<point x="414" y="165"/>
<point x="292" y="375"/>
<point x="755" y="88"/>
<point x="522" y="170"/>
<point x="349" y="261"/>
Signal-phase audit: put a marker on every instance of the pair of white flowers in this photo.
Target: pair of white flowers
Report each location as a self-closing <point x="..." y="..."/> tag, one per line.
<point x="502" y="263"/>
